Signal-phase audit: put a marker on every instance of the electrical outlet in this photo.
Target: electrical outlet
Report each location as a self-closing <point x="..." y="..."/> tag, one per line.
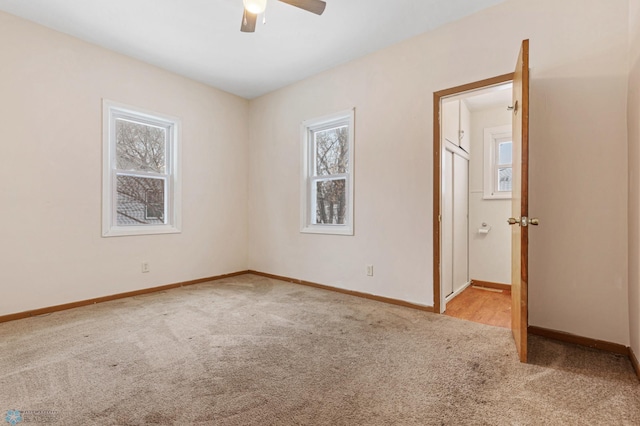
<point x="370" y="270"/>
<point x="145" y="267"/>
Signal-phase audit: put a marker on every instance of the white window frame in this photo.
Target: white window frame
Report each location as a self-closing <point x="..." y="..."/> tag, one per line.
<point x="110" y="112"/>
<point x="307" y="187"/>
<point x="493" y="136"/>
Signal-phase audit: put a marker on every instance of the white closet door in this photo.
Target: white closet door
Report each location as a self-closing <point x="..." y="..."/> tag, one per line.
<point x="460" y="222"/>
<point x="446" y="225"/>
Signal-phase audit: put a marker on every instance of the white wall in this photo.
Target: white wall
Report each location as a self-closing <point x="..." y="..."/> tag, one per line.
<point x="51" y="251"/>
<point x="578" y="165"/>
<point x="489" y="254"/>
<point x="633" y="122"/>
<point x="52" y="86"/>
<point x="578" y="262"/>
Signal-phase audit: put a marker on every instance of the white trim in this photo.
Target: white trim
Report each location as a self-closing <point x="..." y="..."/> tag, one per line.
<point x="172" y="176"/>
<point x="455" y="149"/>
<point x="491" y="135"/>
<point x="307" y="127"/>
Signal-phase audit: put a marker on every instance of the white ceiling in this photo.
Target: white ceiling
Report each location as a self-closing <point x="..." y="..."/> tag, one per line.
<point x="201" y="39"/>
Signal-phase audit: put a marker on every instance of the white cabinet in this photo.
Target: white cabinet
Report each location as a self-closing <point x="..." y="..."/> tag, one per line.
<point x="451" y="121"/>
<point x="456" y="123"/>
<point x="465" y="127"/>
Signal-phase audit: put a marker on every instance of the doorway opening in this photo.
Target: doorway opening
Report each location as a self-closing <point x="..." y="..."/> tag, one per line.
<point x="472" y="200"/>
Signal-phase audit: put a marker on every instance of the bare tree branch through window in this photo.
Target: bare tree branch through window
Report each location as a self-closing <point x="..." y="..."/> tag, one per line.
<point x="331" y="159"/>
<point x="140" y="148"/>
<point x="141" y="171"/>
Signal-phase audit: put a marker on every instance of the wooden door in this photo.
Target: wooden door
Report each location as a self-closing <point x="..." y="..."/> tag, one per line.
<point x="519" y="220"/>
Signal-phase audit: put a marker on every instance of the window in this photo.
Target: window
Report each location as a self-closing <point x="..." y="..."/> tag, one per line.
<point x="141" y="186"/>
<point x="327" y="180"/>
<point x="498" y="162"/>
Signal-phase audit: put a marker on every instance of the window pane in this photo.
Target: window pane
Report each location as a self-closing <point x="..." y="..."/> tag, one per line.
<point x="331" y="201"/>
<point x="140" y="201"/>
<point x="332" y="151"/>
<point x="504" y="152"/>
<point x="504" y="179"/>
<point x="140" y="147"/>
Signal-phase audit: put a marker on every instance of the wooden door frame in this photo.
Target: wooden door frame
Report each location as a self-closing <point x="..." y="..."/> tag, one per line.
<point x="437" y="163"/>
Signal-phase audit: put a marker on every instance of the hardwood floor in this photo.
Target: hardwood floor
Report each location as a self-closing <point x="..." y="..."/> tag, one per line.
<point x="479" y="304"/>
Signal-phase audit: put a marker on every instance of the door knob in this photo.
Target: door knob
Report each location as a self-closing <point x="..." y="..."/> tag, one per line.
<point x="523" y="221"/>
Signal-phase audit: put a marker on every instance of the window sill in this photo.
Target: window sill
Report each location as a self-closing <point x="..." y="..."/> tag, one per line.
<point x="121" y="231"/>
<point x="497" y="196"/>
<point x="327" y="230"/>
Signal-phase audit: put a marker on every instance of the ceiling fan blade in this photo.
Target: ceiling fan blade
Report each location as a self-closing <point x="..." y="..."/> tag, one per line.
<point x="248" y="22"/>
<point x="313" y="6"/>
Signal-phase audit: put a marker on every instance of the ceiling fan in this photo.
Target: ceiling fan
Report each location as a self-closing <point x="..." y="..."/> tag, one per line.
<point x="252" y="8"/>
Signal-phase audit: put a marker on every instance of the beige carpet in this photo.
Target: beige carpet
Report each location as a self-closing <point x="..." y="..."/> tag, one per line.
<point x="254" y="351"/>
